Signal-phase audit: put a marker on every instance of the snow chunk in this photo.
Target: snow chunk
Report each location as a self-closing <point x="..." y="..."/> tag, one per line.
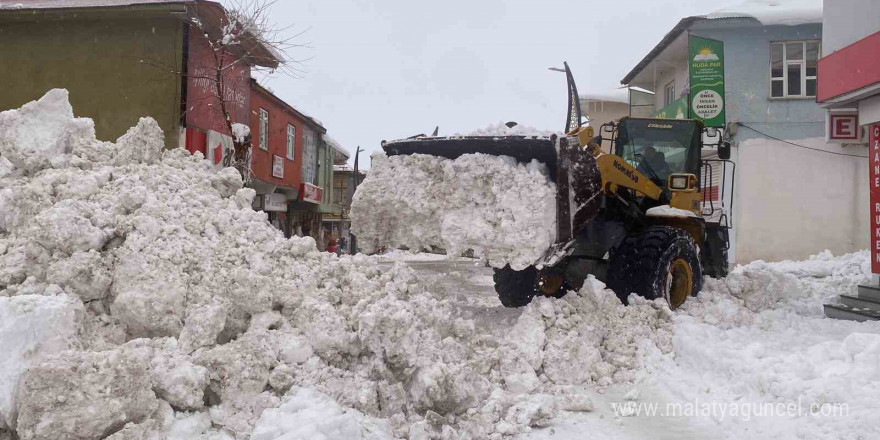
<point x="84" y="273"/>
<point x="240" y="132"/>
<point x="81" y="395"/>
<point x="177" y="380"/>
<point x="307" y="414"/>
<point x="32" y="327"/>
<point x="771" y="12"/>
<point x="67" y="227"/>
<point x="41" y="133"/>
<point x="142" y="143"/>
<point x="504" y="211"/>
<point x="668" y="211"/>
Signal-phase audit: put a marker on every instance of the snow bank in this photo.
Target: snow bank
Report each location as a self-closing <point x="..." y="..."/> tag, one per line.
<point x="504" y="211"/>
<point x="760" y="337"/>
<point x="142" y="297"/>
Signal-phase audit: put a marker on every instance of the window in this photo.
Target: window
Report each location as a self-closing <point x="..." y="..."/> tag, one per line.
<point x="264" y="129"/>
<point x="670" y="93"/>
<point x="658" y="153"/>
<point x="793" y="67"/>
<point x="291" y="141"/>
<point x="310" y="157"/>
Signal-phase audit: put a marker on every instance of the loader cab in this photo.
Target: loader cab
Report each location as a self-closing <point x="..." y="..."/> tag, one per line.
<point x="660" y="147"/>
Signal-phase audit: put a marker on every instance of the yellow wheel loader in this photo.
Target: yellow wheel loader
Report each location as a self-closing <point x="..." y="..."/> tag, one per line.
<point x="635" y="217"/>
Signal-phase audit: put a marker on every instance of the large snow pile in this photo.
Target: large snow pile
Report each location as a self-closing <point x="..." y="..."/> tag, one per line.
<point x="141" y="297"/>
<point x="504" y="211"/>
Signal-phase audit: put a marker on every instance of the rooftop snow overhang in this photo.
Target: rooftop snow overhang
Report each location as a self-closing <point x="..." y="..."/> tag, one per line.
<point x="620" y="95"/>
<point x="340" y="155"/>
<point x="308" y="119"/>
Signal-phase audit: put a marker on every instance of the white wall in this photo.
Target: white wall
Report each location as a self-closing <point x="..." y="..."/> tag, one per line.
<point x="869" y="110"/>
<point x="679" y="74"/>
<point x="847" y="21"/>
<point x="792" y="202"/>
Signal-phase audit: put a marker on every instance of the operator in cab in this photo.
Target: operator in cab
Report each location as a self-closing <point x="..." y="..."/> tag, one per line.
<point x="654" y="166"/>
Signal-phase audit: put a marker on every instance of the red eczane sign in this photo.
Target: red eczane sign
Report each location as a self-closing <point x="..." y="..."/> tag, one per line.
<point x="843" y="127"/>
<point x="874" y="143"/>
<point x="313" y="194"/>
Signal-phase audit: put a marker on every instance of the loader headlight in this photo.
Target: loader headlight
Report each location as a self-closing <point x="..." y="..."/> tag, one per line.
<point x="679" y="181"/>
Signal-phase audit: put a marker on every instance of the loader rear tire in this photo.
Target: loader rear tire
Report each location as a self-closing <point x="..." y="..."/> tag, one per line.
<point x="656" y="262"/>
<point x="515" y="288"/>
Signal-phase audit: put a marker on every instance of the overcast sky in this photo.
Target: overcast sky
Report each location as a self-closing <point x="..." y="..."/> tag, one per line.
<point x="387" y="69"/>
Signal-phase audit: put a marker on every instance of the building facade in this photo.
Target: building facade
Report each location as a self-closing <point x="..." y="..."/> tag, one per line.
<point x="343" y="190"/>
<point x="280" y="136"/>
<point x="332" y="155"/>
<point x="794" y="192"/>
<point x="125" y="61"/>
<point x="849" y="91"/>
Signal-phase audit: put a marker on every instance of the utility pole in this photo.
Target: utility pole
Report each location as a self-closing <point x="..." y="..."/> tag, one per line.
<point x="355" y="181"/>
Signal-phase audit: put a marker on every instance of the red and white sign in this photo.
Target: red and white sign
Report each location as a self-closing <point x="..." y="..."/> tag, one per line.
<point x="311" y="193"/>
<point x="874" y="150"/>
<point x="216" y="147"/>
<point x="843" y="127"/>
<point x="277" y="167"/>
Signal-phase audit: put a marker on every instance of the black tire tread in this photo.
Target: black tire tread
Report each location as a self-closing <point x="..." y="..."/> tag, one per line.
<point x="515" y="288"/>
<point x="634" y="265"/>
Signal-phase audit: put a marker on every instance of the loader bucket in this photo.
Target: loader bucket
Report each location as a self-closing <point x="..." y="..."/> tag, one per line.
<point x="522" y="148"/>
<point x="578" y="185"/>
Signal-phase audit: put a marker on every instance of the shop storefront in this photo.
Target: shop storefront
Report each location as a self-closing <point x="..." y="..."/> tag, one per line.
<point x="305" y="214"/>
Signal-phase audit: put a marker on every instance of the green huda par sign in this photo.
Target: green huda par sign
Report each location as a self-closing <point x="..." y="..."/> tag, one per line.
<point x="706" y="68"/>
<point x="677" y="109"/>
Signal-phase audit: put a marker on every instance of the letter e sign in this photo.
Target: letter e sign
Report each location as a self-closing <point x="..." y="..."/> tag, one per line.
<point x="843" y="127"/>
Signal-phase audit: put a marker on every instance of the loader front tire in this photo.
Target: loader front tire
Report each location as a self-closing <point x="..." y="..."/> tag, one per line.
<point x="515" y="288"/>
<point x="656" y="262"/>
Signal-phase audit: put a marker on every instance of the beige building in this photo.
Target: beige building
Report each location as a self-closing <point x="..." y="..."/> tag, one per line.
<point x="602" y="108"/>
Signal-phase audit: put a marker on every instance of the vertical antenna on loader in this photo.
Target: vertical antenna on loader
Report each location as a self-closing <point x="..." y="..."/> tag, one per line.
<point x="574" y="103"/>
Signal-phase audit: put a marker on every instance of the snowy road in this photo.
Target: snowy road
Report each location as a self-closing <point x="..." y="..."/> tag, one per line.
<point x="773" y="348"/>
<point x="470" y="284"/>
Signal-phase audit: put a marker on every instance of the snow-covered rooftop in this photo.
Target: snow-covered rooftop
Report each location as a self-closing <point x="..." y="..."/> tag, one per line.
<point x="770" y="12"/>
<point x="613" y="95"/>
<point x="336" y="146"/>
<point x="767" y="12"/>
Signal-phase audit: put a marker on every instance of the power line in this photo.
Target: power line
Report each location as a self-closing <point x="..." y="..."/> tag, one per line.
<point x="797" y="145"/>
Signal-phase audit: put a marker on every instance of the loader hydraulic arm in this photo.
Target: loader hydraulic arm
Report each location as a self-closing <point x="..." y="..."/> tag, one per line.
<point x="617" y="173"/>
